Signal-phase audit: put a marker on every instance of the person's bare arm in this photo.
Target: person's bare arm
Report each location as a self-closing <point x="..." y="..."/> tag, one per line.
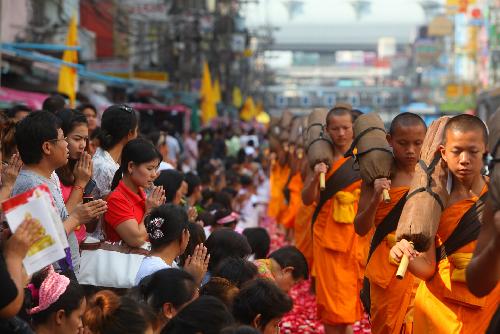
<point x="422" y="265"/>
<point x="483" y="272"/>
<point x="132" y="233"/>
<point x="368" y="203"/>
<point x="310" y="192"/>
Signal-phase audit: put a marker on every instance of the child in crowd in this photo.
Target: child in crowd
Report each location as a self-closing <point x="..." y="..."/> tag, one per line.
<point x="58" y="303"/>
<point x="261" y="304"/>
<point x="286" y="266"/>
<point x="167" y="291"/>
<point x="167" y="228"/>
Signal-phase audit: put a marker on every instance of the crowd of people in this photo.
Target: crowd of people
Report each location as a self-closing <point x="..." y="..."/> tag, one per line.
<point x="174" y="233"/>
<point x="184" y="210"/>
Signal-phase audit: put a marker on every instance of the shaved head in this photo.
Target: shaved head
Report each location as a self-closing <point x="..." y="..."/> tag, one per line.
<point x="340" y="109"/>
<point x="406" y="119"/>
<point x="466" y="123"/>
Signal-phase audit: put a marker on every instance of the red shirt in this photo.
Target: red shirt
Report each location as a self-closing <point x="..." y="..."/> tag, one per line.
<point x="123" y="205"/>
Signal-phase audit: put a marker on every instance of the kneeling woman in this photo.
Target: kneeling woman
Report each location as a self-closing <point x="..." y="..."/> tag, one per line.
<point x="127" y="203"/>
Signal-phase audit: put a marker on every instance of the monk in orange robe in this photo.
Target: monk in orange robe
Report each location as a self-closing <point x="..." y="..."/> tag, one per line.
<point x="280" y="172"/>
<point x="294" y="187"/>
<point x="390" y="299"/>
<point x="336" y="263"/>
<point x="443" y="303"/>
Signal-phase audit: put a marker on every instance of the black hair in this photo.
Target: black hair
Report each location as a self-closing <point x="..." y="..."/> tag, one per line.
<point x="251" y="143"/>
<point x="465" y="123"/>
<point x="69" y="120"/>
<point x="196" y="236"/>
<point x="237" y="270"/>
<point x="224" y="199"/>
<point x="406" y="119"/>
<point x="117" y="122"/>
<point x="34" y="130"/>
<point x="207" y="218"/>
<point x="259" y="240"/>
<point x="290" y="256"/>
<point x="224" y="243"/>
<point x="84" y="106"/>
<point x="137" y="151"/>
<point x="192" y="181"/>
<point x="96" y="133"/>
<point x="222" y="289"/>
<point x="205" y="315"/>
<point x="69" y="301"/>
<point x="246" y="180"/>
<point x="165" y="224"/>
<point x="261" y="296"/>
<point x="170" y="285"/>
<point x="11" y="113"/>
<point x="171" y="180"/>
<point x="54" y="103"/>
<point x="111" y="314"/>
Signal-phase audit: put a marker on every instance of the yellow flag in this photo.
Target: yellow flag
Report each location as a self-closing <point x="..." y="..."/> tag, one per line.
<point x="248" y="112"/>
<point x="208" y="104"/>
<point x="68" y="76"/>
<point x="237" y="98"/>
<point x="217" y="93"/>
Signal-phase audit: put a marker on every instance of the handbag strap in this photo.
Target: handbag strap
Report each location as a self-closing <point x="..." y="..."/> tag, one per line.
<point x="114" y="247"/>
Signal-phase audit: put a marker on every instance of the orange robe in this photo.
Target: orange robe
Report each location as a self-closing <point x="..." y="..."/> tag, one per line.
<point x="390" y="298"/>
<point x="277" y="180"/>
<point x="295" y="187"/>
<point x="303" y="233"/>
<point x="444" y="304"/>
<point x="336" y="261"/>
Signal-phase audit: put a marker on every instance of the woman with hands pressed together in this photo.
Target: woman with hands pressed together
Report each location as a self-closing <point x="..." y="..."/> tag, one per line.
<point x="76" y="174"/>
<point x="168" y="232"/>
<point x="128" y="204"/>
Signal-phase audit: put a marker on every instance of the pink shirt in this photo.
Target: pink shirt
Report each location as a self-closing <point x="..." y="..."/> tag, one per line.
<point x="80" y="231"/>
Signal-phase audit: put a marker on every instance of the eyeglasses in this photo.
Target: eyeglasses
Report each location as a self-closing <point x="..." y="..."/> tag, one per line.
<point x="57" y="140"/>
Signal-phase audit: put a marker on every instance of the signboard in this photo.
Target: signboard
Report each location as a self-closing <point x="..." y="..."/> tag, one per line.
<point x="427" y="51"/>
<point x="440" y="26"/>
<point x="148" y="9"/>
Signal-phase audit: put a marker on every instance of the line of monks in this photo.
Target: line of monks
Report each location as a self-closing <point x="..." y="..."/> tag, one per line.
<point x="335" y="233"/>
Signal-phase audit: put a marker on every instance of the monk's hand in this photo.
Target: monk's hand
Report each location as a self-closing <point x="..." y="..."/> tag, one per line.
<point x="378" y="186"/>
<point x="401" y="248"/>
<point x="320" y="168"/>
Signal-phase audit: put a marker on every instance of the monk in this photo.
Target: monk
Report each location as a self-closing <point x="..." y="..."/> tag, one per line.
<point x="277" y="180"/>
<point x="336" y="265"/>
<point x="443" y="303"/>
<point x="389" y="299"/>
<point x="302" y="233"/>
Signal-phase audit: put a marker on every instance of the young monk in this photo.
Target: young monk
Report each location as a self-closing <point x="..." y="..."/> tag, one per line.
<point x="443" y="303"/>
<point x="389" y="298"/>
<point x="336" y="265"/>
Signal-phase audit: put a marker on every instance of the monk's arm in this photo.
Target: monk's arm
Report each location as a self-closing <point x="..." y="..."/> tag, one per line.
<point x="483" y="272"/>
<point x="310" y="192"/>
<point x="424" y="265"/>
<point x="367" y="208"/>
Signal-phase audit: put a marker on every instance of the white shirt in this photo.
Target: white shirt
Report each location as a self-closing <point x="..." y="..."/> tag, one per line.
<point x="104" y="171"/>
<point x="150" y="265"/>
<point x="165" y="166"/>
